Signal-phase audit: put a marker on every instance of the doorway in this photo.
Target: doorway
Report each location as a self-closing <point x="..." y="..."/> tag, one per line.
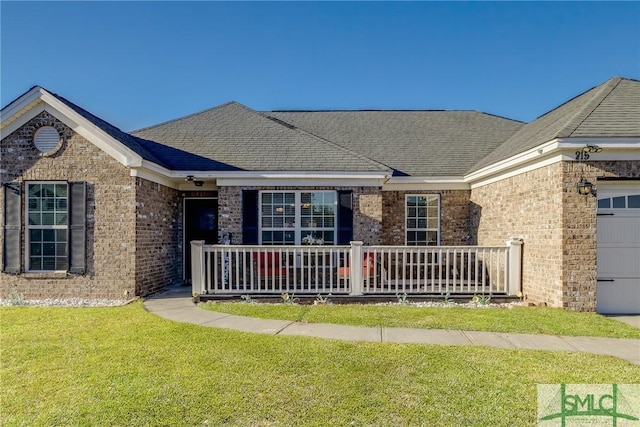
<point x="200" y="223"/>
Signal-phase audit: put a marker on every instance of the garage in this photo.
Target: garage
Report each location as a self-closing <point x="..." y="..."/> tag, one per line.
<point x="618" y="268"/>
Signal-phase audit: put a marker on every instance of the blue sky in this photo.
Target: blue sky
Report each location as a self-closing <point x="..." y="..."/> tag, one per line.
<point x="136" y="64"/>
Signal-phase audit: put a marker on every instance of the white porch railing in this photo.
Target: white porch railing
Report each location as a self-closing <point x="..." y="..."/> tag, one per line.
<point x="355" y="269"/>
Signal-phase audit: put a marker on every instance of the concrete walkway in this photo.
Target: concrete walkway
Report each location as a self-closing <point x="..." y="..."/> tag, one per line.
<point x="176" y="304"/>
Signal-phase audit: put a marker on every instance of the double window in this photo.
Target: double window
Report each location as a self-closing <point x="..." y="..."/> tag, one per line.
<point x="298" y="217"/>
<point x="422" y="215"/>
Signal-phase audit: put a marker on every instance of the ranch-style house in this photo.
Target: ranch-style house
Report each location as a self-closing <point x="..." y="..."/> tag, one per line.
<point x="235" y="201"/>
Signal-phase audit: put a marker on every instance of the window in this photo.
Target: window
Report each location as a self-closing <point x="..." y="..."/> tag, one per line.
<point x="47" y="226"/>
<point x="297" y="217"/>
<point x="631" y="201"/>
<point x="422" y="220"/>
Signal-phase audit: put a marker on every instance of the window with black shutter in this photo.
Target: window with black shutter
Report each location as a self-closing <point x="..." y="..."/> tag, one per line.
<point x="54" y="227"/>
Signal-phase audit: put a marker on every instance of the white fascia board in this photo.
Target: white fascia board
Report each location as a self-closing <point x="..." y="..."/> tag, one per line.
<point x="300" y="182"/>
<point x="152" y="176"/>
<point x="13" y="123"/>
<point x="23" y="103"/>
<point x="38" y="100"/>
<point x="604" y="143"/>
<point x="91" y="132"/>
<point x="548" y="160"/>
<point x="411" y="183"/>
<point x="560" y="149"/>
<point x="175" y="183"/>
<point x="215" y="179"/>
<point x="157" y="169"/>
<point x="20" y="111"/>
<point x="295" y="178"/>
<point x="520" y="159"/>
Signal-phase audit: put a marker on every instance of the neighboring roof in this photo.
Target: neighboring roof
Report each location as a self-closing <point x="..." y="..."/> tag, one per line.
<point x="418" y="143"/>
<point x="609" y="110"/>
<point x="247" y="140"/>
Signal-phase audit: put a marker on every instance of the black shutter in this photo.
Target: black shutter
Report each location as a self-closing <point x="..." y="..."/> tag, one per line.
<point x="345" y="217"/>
<point x="12" y="241"/>
<point x="250" y="217"/>
<point x="77" y="227"/>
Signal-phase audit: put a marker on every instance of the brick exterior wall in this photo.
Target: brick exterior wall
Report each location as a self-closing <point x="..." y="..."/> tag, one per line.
<point x="527" y="206"/>
<point x="111" y="221"/>
<point x="557" y="225"/>
<point x="454" y="217"/>
<point x="134" y="226"/>
<point x="158" y="237"/>
<point x="367" y="211"/>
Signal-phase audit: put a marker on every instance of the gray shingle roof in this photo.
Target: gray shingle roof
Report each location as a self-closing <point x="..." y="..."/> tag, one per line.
<point x="245" y="139"/>
<point x="418" y="143"/>
<point x="135" y="144"/>
<point x="609" y="110"/>
<point x="159" y="154"/>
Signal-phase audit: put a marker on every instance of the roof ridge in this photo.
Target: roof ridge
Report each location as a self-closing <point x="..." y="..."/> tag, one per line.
<point x="603" y="91"/>
<point x="374" y="111"/>
<point x="186" y="116"/>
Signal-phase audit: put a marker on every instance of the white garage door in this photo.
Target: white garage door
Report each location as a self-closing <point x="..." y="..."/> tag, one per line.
<point x="618" y="289"/>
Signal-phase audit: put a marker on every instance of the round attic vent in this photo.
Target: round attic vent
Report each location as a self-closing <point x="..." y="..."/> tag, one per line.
<point x="46" y="139"/>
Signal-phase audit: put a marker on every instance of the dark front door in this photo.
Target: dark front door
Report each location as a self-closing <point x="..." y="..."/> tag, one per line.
<point x="200" y="223"/>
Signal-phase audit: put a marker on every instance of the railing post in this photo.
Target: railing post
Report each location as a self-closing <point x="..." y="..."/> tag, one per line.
<point x="197" y="268"/>
<point x="514" y="275"/>
<point x="356" y="268"/>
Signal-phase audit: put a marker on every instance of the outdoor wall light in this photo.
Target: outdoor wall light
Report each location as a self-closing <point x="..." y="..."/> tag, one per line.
<point x="196" y="182"/>
<point x="585" y="188"/>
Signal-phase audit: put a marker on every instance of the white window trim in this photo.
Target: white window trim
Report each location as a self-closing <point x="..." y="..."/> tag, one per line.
<point x="28" y="227"/>
<point x="297" y="228"/>
<point x="406" y="229"/>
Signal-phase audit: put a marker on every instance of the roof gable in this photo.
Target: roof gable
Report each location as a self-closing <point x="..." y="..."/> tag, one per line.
<point x="128" y="150"/>
<point x="609" y="110"/>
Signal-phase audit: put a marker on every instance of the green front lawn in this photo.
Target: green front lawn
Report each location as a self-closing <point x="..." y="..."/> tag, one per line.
<point x="124" y="366"/>
<point x="526" y="320"/>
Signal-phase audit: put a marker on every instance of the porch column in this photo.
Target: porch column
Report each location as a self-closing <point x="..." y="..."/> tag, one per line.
<point x="514" y="275"/>
<point x="355" y="278"/>
<point x="197" y="268"/>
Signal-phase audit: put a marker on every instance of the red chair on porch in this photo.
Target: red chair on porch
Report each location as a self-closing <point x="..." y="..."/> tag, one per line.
<point x="267" y="265"/>
<point x="368" y="267"/>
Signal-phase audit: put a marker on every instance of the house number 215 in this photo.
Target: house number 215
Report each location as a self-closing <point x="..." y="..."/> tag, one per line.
<point x="581" y="155"/>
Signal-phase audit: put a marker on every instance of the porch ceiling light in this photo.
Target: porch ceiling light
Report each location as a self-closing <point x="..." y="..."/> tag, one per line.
<point x="197" y="183"/>
<point x="585" y="188"/>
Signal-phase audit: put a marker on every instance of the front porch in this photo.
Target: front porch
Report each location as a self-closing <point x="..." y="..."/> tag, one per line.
<point x="356" y="270"/>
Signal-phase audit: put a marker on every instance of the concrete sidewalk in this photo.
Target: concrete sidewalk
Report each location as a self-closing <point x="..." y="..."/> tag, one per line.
<point x="176" y="304"/>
